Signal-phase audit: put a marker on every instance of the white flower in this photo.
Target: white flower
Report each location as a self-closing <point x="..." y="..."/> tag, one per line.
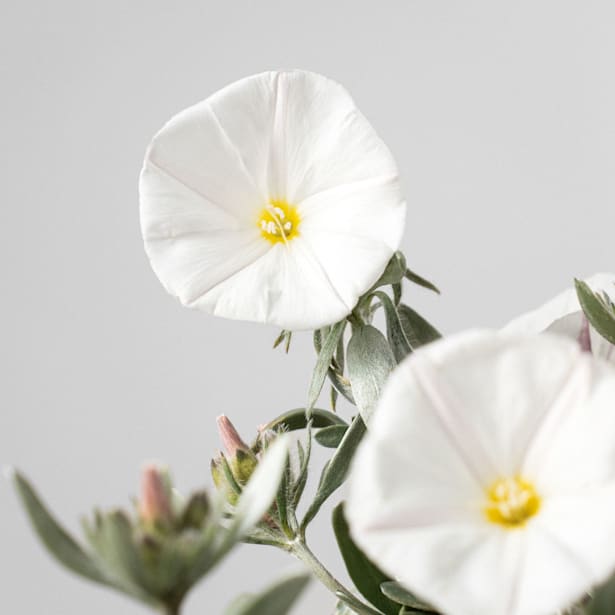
<point x="486" y="483"/>
<point x="273" y="200"/>
<point x="563" y="315"/>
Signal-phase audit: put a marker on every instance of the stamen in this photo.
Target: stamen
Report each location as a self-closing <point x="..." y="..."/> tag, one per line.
<point x="511" y="502"/>
<point x="279" y="221"/>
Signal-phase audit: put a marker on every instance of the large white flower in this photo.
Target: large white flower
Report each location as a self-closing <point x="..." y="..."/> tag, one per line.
<point x="486" y="483"/>
<point x="563" y="315"/>
<point x="273" y="200"/>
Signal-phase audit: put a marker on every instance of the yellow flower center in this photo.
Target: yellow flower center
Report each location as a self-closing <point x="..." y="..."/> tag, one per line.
<point x="279" y="221"/>
<point x="511" y="502"/>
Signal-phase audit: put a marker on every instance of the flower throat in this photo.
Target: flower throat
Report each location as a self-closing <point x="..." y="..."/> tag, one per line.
<point x="279" y="222"/>
<point x="511" y="502"/>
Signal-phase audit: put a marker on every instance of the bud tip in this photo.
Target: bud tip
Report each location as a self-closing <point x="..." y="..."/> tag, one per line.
<point x="230" y="437"/>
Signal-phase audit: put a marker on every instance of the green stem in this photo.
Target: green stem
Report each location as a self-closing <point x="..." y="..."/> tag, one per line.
<point x="302" y="552"/>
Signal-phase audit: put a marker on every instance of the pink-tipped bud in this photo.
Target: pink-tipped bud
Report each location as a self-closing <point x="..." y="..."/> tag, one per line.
<point x="155" y="502"/>
<point x="231" y="440"/>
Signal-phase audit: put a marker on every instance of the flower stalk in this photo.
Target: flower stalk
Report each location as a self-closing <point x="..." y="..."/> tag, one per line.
<point x="302" y="552"/>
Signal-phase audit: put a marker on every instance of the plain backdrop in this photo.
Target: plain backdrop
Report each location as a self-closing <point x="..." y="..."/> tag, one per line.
<point x="500" y="114"/>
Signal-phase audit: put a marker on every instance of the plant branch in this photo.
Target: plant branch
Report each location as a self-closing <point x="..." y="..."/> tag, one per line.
<point x="302" y="552"/>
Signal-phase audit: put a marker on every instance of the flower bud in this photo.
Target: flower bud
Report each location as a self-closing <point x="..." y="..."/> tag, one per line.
<point x="231" y="440"/>
<point x="155" y="501"/>
<point x="231" y="471"/>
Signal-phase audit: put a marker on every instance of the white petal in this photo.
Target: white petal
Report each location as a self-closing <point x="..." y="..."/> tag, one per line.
<point x="321" y="140"/>
<point x="287" y="286"/>
<point x="569" y="451"/>
<point x="212" y="169"/>
<point x="455" y="417"/>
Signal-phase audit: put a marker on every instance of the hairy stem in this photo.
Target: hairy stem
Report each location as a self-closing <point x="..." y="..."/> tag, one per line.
<point x="302" y="552"/>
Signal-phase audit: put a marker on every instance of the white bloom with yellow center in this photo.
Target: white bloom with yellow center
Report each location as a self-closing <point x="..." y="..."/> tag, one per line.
<point x="486" y="482"/>
<point x="274" y="200"/>
<point x="563" y="315"/>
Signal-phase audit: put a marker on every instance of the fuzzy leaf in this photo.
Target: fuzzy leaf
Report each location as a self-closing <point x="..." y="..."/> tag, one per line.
<point x="394" y="272"/>
<point x="335" y="472"/>
<point x="55" y="538"/>
<point x="395" y="332"/>
<point x="296" y="419"/>
<point x="330" y="437"/>
<point x="370" y="361"/>
<point x="418" y="331"/>
<point x="366" y="577"/>
<point x="599" y="312"/>
<point x="325" y="356"/>
<point x="397" y="593"/>
<point x="276" y="600"/>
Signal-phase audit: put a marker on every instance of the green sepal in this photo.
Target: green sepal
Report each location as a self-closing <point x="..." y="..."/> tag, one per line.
<point x="365" y="575"/>
<point x="370" y="361"/>
<point x="417" y="330"/>
<point x="398" y="594"/>
<point x="276" y="600"/>
<point x="335" y="471"/>
<point x="195" y="512"/>
<point x="243" y="465"/>
<point x="598" y="310"/>
<point x="54" y="537"/>
<point x="393" y="273"/>
<point x="330" y="437"/>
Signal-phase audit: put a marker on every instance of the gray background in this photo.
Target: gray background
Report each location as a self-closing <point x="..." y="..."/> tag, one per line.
<point x="502" y="118"/>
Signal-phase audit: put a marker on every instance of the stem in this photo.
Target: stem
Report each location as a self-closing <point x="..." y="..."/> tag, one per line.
<point x="170" y="609"/>
<point x="302" y="552"/>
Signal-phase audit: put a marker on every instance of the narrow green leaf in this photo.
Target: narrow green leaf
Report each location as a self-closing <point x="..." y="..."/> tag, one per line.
<point x="417" y="279"/>
<point x="333" y="395"/>
<point x="304" y="458"/>
<point x="335" y="472"/>
<point x="283" y="498"/>
<point x="370" y="361"/>
<point x="296" y="419"/>
<point x="395" y="333"/>
<point x="599" y="312"/>
<point x="55" y="538"/>
<point x="323" y="363"/>
<point x="366" y="577"/>
<point x="418" y="331"/>
<point x="276" y="600"/>
<point x="330" y="437"/>
<point x="397" y="593"/>
<point x="285" y="336"/>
